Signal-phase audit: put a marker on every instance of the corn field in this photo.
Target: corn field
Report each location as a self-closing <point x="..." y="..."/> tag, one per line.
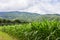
<point x="45" y="30"/>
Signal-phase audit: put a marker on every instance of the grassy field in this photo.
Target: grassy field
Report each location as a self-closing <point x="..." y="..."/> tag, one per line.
<point x="5" y="36"/>
<point x="45" y="30"/>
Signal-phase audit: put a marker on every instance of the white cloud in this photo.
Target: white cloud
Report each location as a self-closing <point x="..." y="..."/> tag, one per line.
<point x="51" y="7"/>
<point x="45" y="7"/>
<point x="6" y="5"/>
<point x="35" y="6"/>
<point x="34" y="9"/>
<point x="13" y="4"/>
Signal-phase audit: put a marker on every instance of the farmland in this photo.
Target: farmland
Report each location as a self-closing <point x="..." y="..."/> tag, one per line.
<point x="44" y="30"/>
<point x="26" y="26"/>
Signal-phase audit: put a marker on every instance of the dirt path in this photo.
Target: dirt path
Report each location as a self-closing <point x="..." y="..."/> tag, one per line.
<point x="4" y="36"/>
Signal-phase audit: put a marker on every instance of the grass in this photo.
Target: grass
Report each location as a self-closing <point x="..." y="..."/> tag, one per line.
<point x="4" y="36"/>
<point x="45" y="30"/>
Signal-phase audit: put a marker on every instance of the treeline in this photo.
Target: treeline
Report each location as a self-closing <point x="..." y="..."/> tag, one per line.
<point x="8" y="22"/>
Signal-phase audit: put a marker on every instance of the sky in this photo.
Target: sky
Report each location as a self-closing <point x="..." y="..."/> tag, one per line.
<point x="34" y="6"/>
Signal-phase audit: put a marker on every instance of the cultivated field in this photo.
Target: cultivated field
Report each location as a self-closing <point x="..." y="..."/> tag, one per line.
<point x="45" y="30"/>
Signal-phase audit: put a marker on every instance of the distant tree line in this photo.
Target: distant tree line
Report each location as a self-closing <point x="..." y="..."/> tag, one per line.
<point x="8" y="22"/>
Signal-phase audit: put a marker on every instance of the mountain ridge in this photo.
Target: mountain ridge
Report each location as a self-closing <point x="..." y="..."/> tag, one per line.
<point x="26" y="16"/>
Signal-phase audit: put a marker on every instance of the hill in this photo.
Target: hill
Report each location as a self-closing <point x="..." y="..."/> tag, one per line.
<point x="27" y="16"/>
<point x="19" y="15"/>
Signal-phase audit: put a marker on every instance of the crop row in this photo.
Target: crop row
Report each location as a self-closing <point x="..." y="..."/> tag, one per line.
<point x="46" y="30"/>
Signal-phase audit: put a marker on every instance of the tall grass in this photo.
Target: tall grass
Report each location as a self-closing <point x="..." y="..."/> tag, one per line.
<point x="45" y="30"/>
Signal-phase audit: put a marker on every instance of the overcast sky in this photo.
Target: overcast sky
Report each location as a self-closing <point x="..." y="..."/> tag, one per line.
<point x="35" y="6"/>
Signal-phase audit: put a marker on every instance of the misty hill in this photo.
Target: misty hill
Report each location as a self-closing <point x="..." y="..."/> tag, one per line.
<point x="26" y="16"/>
<point x="19" y="15"/>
